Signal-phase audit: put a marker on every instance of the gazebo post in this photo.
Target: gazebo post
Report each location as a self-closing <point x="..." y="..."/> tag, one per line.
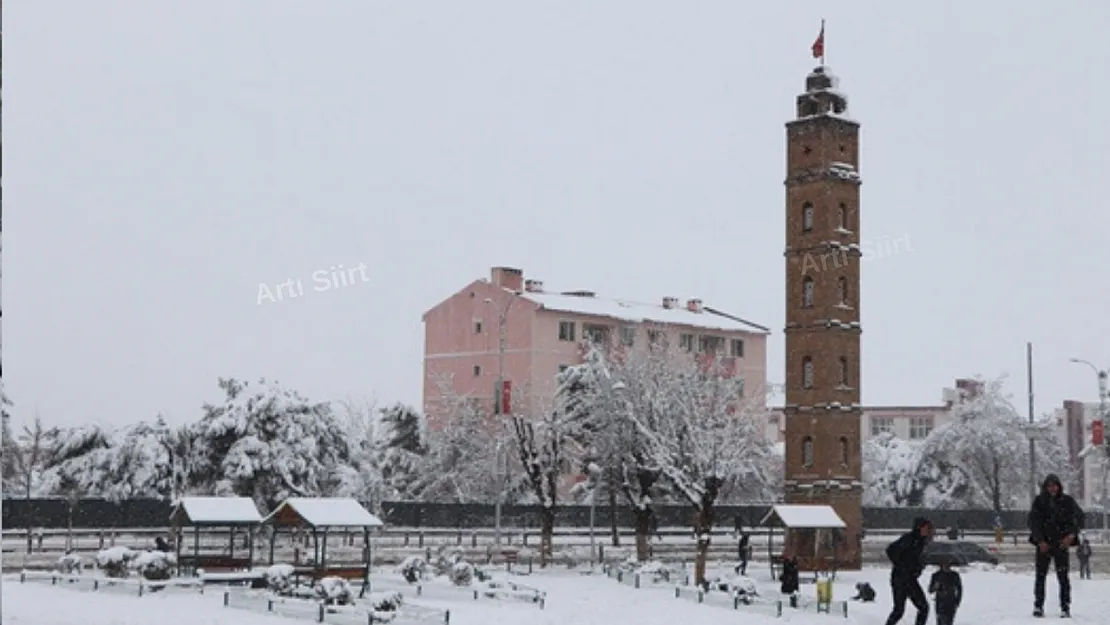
<point x="315" y="548"/>
<point x="250" y="547"/>
<point x="368" y="559"/>
<point x="231" y="540"/>
<point x="273" y="541"/>
<point x="177" y="544"/>
<point x="324" y="552"/>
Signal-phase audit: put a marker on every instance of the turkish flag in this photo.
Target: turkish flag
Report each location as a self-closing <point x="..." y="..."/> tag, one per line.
<point x="1097" y="434"/>
<point x="818" y="47"/>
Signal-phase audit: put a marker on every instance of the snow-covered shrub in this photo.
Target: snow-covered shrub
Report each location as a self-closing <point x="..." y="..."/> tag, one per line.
<point x="154" y="565"/>
<point x="114" y="561"/>
<point x="741" y="586"/>
<point x="334" y="591"/>
<point x="413" y="569"/>
<point x="70" y="564"/>
<point x="279" y="579"/>
<point x="462" y="574"/>
<point x="446" y="559"/>
<point x="386" y="601"/>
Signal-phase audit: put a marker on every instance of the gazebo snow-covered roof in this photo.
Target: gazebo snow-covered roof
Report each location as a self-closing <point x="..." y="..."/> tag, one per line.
<point x="323" y="513"/>
<point x="224" y="511"/>
<point x="803" y="517"/>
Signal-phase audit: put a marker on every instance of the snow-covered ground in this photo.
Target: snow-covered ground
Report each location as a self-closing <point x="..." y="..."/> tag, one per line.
<point x="573" y="598"/>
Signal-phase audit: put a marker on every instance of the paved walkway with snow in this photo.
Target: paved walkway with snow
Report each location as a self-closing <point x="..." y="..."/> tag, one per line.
<point x="572" y="599"/>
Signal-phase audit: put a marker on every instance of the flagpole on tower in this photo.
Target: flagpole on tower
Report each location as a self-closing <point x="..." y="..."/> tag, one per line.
<point x="822" y="42"/>
<point x="818" y="47"/>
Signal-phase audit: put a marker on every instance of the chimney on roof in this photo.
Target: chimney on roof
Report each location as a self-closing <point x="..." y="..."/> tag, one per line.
<point x="969" y="388"/>
<point x="670" y="303"/>
<point x="507" y="278"/>
<point x="533" y="286"/>
<point x="693" y="305"/>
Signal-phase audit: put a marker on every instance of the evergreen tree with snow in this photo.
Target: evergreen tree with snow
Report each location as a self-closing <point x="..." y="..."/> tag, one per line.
<point x="402" y="445"/>
<point x="268" y="443"/>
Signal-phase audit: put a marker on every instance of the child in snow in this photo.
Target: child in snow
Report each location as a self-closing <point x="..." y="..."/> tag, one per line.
<point x="948" y="591"/>
<point x="1084" y="556"/>
<point x="789" y="578"/>
<point x="864" y="593"/>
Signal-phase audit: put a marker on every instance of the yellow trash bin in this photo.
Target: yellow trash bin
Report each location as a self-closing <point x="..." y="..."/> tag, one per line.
<point x="824" y="591"/>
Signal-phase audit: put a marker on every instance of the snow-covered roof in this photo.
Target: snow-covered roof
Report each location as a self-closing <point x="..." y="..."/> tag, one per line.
<point x="217" y="510"/>
<point x="638" y="312"/>
<point x="803" y="517"/>
<point x="326" y="512"/>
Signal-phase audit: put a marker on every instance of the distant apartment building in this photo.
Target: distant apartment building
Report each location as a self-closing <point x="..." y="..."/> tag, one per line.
<point x="911" y="423"/>
<point x="512" y="329"/>
<point x="1073" y="429"/>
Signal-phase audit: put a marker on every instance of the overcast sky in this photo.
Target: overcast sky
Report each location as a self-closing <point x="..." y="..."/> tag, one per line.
<point x="163" y="159"/>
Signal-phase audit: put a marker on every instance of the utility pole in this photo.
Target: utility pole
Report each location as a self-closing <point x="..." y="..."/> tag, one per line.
<point x="499" y="402"/>
<point x="1103" y="417"/>
<point x="1033" y="490"/>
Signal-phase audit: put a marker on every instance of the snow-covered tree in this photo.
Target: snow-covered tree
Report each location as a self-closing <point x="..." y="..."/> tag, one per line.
<point x="988" y="441"/>
<point x="29" y="454"/>
<point x="362" y="479"/>
<point x="75" y="460"/>
<point x="140" y="463"/>
<point x="898" y="474"/>
<point x="268" y="443"/>
<point x="694" y="427"/>
<point x="402" y="444"/>
<point x="460" y="463"/>
<point x="550" y="443"/>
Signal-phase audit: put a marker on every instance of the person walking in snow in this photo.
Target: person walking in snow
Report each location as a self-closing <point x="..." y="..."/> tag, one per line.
<point x="906" y="556"/>
<point x="1083" y="554"/>
<point x="789" y="578"/>
<point x="948" y="591"/>
<point x="745" y="541"/>
<point x="1055" y="521"/>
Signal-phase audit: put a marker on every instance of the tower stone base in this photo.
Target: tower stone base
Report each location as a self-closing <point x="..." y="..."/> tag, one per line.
<point x="825" y="550"/>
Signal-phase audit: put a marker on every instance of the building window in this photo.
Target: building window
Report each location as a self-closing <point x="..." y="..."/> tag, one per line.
<point x="843" y="216"/>
<point x="477" y="370"/>
<point x="595" y="334"/>
<point x="628" y="336"/>
<point x="566" y="331"/>
<point x="657" y="338"/>
<point x="807" y="452"/>
<point x="844" y="451"/>
<point x="920" y="427"/>
<point x="807" y="372"/>
<point x="807" y="217"/>
<point x="881" y="425"/>
<point x="807" y="292"/>
<point x="737" y="348"/>
<point x="710" y="344"/>
<point x="842" y="290"/>
<point x="477" y="326"/>
<point x="844" y="371"/>
<point x="686" y="342"/>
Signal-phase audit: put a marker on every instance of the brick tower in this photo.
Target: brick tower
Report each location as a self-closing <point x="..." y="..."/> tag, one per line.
<point x="822" y="331"/>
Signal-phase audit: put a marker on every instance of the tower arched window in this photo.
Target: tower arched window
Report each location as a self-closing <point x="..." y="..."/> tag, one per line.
<point x="843" y="371"/>
<point x="807" y="451"/>
<point x="807" y="217"/>
<point x="807" y="372"/>
<point x="807" y="292"/>
<point x="842" y="290"/>
<point x="843" y="451"/>
<point x="842" y="217"/>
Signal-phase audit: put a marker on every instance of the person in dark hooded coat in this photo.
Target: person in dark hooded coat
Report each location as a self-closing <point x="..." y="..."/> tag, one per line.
<point x="906" y="554"/>
<point x="1055" y="521"/>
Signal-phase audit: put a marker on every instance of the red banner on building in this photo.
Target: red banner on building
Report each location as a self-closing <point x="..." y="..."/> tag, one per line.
<point x="1097" y="434"/>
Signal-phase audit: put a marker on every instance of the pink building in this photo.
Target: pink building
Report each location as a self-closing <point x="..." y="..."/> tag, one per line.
<point x="543" y="333"/>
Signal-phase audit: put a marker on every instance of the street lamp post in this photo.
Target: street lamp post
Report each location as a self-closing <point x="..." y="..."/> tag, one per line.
<point x="1103" y="417"/>
<point x="499" y="401"/>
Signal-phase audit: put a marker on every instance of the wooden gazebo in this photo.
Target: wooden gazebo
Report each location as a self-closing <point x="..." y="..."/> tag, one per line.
<point x="321" y="516"/>
<point x="237" y="514"/>
<point x="811" y="533"/>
